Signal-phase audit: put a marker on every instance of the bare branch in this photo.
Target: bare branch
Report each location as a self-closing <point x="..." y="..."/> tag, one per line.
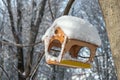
<point x="89" y="57"/>
<point x="19" y="45"/>
<point x="19" y="17"/>
<point x="20" y="73"/>
<point x="2" y="11"/>
<point x="14" y="33"/>
<point x="5" y="72"/>
<point x="84" y="73"/>
<point x="55" y="50"/>
<point x="14" y="66"/>
<point x="4" y="3"/>
<point x="52" y="15"/>
<point x="36" y="66"/>
<point x="33" y="4"/>
<point x="67" y="9"/>
<point x="20" y="65"/>
<point x="33" y="35"/>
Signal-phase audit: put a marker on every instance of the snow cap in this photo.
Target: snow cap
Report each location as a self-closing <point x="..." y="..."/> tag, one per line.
<point x="75" y="28"/>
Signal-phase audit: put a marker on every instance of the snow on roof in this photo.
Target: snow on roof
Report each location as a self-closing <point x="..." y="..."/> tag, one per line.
<point x="76" y="28"/>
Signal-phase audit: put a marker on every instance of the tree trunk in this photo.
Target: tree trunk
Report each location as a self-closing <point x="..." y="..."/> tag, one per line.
<point x="19" y="31"/>
<point x="17" y="35"/>
<point x="111" y="13"/>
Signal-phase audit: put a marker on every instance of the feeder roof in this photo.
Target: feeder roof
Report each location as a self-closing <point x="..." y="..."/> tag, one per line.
<point x="76" y="28"/>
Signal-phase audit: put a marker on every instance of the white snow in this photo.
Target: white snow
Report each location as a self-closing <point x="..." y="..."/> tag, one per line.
<point x="75" y="28"/>
<point x="47" y="55"/>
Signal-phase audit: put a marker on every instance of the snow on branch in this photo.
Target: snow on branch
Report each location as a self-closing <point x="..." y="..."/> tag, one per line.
<point x="5" y="72"/>
<point x="8" y="42"/>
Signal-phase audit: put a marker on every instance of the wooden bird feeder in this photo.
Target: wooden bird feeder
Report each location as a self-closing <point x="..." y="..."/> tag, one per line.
<point x="64" y="39"/>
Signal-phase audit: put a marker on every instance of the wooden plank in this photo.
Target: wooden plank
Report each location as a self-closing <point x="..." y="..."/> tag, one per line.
<point x="71" y="63"/>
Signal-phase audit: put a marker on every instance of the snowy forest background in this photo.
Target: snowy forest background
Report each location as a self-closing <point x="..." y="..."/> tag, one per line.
<point x="22" y="24"/>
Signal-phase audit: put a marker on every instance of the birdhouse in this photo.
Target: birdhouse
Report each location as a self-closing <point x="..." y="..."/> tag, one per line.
<point x="66" y="37"/>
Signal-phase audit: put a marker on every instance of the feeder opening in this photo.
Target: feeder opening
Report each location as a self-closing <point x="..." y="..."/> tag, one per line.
<point x="84" y="54"/>
<point x="80" y="53"/>
<point x="54" y="48"/>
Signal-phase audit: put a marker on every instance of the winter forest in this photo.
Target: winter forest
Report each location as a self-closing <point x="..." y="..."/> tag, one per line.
<point x="22" y="25"/>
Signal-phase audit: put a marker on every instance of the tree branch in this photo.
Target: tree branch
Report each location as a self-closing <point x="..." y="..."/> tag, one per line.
<point x="49" y="5"/>
<point x="5" y="72"/>
<point x="18" y="45"/>
<point x="4" y="3"/>
<point x="14" y="66"/>
<point x="33" y="32"/>
<point x="9" y="7"/>
<point x="2" y="11"/>
<point x="67" y="9"/>
<point x="36" y="66"/>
